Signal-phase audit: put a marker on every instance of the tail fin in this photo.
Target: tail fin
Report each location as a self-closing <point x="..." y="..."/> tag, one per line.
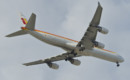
<point x="31" y="22"/>
<point x="30" y="25"/>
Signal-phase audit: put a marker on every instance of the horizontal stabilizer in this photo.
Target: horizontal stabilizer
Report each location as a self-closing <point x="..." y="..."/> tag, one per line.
<point x="18" y="33"/>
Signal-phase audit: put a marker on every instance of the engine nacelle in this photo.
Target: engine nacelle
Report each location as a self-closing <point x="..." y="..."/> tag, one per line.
<point x="53" y="65"/>
<point x="99" y="45"/>
<point x="103" y="30"/>
<point x="75" y="62"/>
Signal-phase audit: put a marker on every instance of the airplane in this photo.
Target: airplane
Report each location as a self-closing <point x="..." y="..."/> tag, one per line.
<point x="87" y="46"/>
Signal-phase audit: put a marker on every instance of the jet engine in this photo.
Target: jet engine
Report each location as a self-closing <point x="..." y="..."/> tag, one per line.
<point x="53" y="65"/>
<point x="99" y="45"/>
<point x="102" y="30"/>
<point x="75" y="62"/>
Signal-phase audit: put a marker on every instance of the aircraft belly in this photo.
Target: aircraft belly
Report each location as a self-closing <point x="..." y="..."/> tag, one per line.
<point x="68" y="46"/>
<point x="49" y="39"/>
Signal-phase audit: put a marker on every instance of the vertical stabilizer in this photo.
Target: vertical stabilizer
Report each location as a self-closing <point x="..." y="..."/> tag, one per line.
<point x="31" y="22"/>
<point x="30" y="25"/>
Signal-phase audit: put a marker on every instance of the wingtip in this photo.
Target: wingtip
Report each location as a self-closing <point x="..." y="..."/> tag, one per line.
<point x="7" y="36"/>
<point x="25" y="64"/>
<point x="99" y="3"/>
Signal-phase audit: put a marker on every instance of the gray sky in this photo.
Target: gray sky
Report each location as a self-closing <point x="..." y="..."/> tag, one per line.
<point x="69" y="18"/>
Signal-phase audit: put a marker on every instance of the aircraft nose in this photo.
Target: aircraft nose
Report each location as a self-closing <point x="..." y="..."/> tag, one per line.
<point x="121" y="59"/>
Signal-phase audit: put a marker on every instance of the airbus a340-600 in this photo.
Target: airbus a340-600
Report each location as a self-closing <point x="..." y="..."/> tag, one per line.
<point x="87" y="46"/>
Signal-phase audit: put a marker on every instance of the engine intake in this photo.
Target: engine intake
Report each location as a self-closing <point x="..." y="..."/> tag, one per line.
<point x="102" y="30"/>
<point x="53" y="65"/>
<point x="99" y="45"/>
<point x="75" y="62"/>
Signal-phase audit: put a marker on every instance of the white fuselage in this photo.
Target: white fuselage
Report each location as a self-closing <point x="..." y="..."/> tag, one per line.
<point x="68" y="45"/>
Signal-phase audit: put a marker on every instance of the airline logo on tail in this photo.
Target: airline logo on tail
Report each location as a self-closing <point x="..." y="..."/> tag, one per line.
<point x="24" y="20"/>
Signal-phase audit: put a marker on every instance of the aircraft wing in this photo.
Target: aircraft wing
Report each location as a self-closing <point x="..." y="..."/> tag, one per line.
<point x="96" y="19"/>
<point x="89" y="37"/>
<point x="63" y="56"/>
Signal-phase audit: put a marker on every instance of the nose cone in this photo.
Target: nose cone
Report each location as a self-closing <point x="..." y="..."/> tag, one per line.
<point x="121" y="59"/>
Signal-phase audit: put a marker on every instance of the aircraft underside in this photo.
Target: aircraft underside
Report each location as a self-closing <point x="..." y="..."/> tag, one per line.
<point x="87" y="46"/>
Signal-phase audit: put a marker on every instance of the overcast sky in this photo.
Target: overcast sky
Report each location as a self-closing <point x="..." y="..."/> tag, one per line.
<point x="69" y="18"/>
